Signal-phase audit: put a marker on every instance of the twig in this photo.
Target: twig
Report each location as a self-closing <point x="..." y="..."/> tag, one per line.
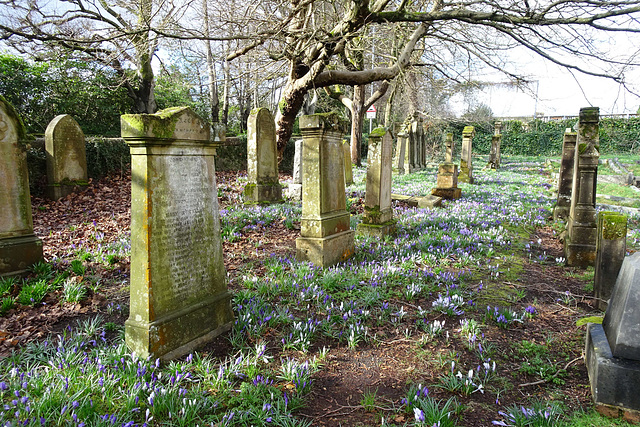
<point x="553" y="376"/>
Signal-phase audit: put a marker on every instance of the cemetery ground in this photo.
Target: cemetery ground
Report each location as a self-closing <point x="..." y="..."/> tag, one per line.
<point x="465" y="317"/>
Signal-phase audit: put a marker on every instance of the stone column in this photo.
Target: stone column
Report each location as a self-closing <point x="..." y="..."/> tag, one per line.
<point x="580" y="239"/>
<point x="565" y="177"/>
<point x="377" y="219"/>
<point x="424" y="144"/>
<point x="262" y="160"/>
<point x="295" y="188"/>
<point x="66" y="157"/>
<point x="19" y="247"/>
<point x="466" y="166"/>
<point x="402" y="155"/>
<point x="348" y="166"/>
<point x="611" y="248"/>
<point x="494" y="155"/>
<point x="179" y="298"/>
<point x="413" y="146"/>
<point x="447" y="181"/>
<point x="326" y="237"/>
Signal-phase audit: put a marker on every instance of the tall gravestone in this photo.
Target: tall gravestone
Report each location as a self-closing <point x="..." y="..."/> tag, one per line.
<point x="580" y="239"/>
<point x="494" y="154"/>
<point x="565" y="177"/>
<point x="19" y="247"/>
<point x="295" y="188"/>
<point x="611" y="248"/>
<point x="348" y="167"/>
<point x="179" y="297"/>
<point x="447" y="180"/>
<point x="466" y="166"/>
<point x="262" y="160"/>
<point x="66" y="157"/>
<point x="415" y="145"/>
<point x="612" y="352"/>
<point x="377" y="219"/>
<point x="326" y="237"/>
<point x="401" y="159"/>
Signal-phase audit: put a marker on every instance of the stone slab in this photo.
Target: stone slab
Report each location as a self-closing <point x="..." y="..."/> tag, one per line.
<point x="410" y="200"/>
<point x="66" y="157"/>
<point x="18" y="253"/>
<point x="447" y="193"/>
<point x="326" y="251"/>
<point x="614" y="381"/>
<point x="376" y="230"/>
<point x="430" y="202"/>
<point x="622" y="319"/>
<point x="611" y="249"/>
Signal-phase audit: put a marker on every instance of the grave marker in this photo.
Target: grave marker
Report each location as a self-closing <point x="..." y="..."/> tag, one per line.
<point x="565" y="178"/>
<point x="262" y="160"/>
<point x="494" y="155"/>
<point x="295" y="188"/>
<point x="447" y="180"/>
<point x="348" y="167"/>
<point x="611" y="248"/>
<point x="66" y="157"/>
<point x="466" y="166"/>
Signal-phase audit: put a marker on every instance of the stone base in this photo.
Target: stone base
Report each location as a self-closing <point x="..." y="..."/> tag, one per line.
<point x="376" y="230"/>
<point x="326" y="251"/>
<point x="561" y="213"/>
<point x="577" y="252"/>
<point x="17" y="254"/>
<point x="430" y="202"/>
<point x="58" y="191"/>
<point x="262" y="194"/>
<point x="447" y="193"/>
<point x="181" y="332"/>
<point x="295" y="191"/>
<point x="614" y="381"/>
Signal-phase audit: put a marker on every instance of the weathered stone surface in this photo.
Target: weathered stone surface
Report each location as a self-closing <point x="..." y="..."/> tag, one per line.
<point x="614" y="381"/>
<point x="295" y="188"/>
<point x="450" y="148"/>
<point x="494" y="154"/>
<point x="565" y="178"/>
<point x="466" y="166"/>
<point x="447" y="193"/>
<point x="580" y="239"/>
<point x="447" y="178"/>
<point x="415" y="146"/>
<point x="66" y="157"/>
<point x="179" y="297"/>
<point x="325" y="234"/>
<point x="430" y="201"/>
<point x="348" y="166"/>
<point x="622" y="319"/>
<point x="611" y="247"/>
<point x="262" y="160"/>
<point x="19" y="247"/>
<point x="377" y="218"/>
<point x="401" y="159"/>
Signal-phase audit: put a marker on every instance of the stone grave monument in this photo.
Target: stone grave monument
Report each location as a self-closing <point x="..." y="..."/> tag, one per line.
<point x="348" y="167"/>
<point x="580" y="238"/>
<point x="611" y="248"/>
<point x="612" y="352"/>
<point x="377" y="219"/>
<point x="466" y="166"/>
<point x="401" y="159"/>
<point x="494" y="155"/>
<point x="179" y="296"/>
<point x="66" y="157"/>
<point x="262" y="160"/>
<point x="415" y="144"/>
<point x="326" y="237"/>
<point x="295" y="188"/>
<point x="19" y="247"/>
<point x="447" y="181"/>
<point x="565" y="178"/>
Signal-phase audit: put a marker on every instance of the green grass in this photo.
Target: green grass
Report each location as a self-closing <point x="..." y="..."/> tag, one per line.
<point x="592" y="419"/>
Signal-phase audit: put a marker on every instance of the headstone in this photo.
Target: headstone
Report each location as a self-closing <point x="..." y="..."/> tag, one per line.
<point x="348" y="167"/>
<point x="611" y="248"/>
<point x="295" y="188"/>
<point x="565" y="178"/>
<point x="447" y="180"/>
<point x="262" y="160"/>
<point x="494" y="155"/>
<point x="612" y="352"/>
<point x="326" y="237"/>
<point x="179" y="298"/>
<point x="19" y="247"/>
<point x="66" y="157"/>
<point x="377" y="219"/>
<point x="401" y="160"/>
<point x="466" y="167"/>
<point x="414" y="145"/>
<point x="580" y="239"/>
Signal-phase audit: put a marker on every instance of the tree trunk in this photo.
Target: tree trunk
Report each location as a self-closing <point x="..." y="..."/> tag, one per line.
<point x="290" y="103"/>
<point x="225" y="94"/>
<point x="144" y="99"/>
<point x="357" y="119"/>
<point x="214" y="102"/>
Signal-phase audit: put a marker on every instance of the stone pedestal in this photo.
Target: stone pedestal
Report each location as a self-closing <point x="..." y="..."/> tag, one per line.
<point x="580" y="239"/>
<point x="565" y="177"/>
<point x="401" y="159"/>
<point x="19" y="247"/>
<point x="262" y="160"/>
<point x="326" y="237"/>
<point x="377" y="219"/>
<point x="66" y="157"/>
<point x="466" y="166"/>
<point x="611" y="248"/>
<point x="179" y="298"/>
<point x="494" y="155"/>
<point x="295" y="188"/>
<point x="447" y="182"/>
<point x="613" y="348"/>
<point x="348" y="167"/>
